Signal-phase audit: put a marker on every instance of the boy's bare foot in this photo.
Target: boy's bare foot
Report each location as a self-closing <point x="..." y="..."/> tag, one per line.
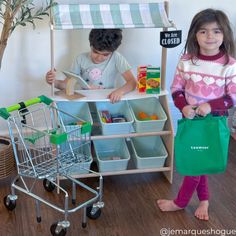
<point x="202" y="211"/>
<point x="167" y="205"/>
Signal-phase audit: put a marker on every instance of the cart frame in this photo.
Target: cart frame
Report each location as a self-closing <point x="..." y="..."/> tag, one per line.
<point x="46" y="148"/>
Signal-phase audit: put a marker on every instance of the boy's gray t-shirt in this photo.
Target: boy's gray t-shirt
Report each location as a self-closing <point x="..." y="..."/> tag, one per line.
<point x="104" y="74"/>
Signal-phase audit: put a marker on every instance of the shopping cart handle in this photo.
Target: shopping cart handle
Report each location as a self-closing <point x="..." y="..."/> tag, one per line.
<point x="5" y="111"/>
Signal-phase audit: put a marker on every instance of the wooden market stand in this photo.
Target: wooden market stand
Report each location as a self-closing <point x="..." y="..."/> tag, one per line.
<point x="136" y="15"/>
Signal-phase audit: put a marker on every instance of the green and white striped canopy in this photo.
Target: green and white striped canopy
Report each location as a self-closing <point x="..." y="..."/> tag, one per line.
<point x="132" y="15"/>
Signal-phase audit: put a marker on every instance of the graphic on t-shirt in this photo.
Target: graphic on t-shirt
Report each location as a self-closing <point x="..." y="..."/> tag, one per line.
<point x="95" y="74"/>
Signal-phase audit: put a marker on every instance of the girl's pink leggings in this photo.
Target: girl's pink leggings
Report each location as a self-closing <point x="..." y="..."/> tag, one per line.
<point x="189" y="185"/>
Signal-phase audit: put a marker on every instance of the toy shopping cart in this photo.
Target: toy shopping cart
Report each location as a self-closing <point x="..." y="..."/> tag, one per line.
<point x="45" y="149"/>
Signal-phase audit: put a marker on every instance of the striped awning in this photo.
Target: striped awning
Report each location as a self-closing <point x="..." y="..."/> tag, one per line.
<point x="132" y="15"/>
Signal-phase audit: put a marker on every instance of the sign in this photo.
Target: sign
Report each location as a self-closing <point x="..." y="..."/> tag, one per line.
<point x="170" y="39"/>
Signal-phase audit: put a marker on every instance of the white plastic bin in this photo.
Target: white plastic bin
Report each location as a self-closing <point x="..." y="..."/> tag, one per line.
<point x="111" y="155"/>
<point x="120" y="107"/>
<point x="150" y="106"/>
<point x="148" y="152"/>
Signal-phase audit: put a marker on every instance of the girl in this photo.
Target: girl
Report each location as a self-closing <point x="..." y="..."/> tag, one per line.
<point x="102" y="65"/>
<point x="205" y="82"/>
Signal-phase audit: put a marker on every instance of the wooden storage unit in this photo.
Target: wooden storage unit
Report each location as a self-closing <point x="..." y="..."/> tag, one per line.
<point x="100" y="95"/>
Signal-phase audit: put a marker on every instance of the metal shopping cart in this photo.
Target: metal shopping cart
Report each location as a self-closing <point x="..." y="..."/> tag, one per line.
<point x="232" y="119"/>
<point x="45" y="149"/>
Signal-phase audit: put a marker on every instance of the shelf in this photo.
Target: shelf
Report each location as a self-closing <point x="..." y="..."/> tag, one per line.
<point x="166" y="134"/>
<point x="124" y="172"/>
<point x="96" y="137"/>
<point x="101" y="95"/>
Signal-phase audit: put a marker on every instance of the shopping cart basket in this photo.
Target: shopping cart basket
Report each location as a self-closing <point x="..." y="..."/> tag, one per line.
<point x="45" y="149"/>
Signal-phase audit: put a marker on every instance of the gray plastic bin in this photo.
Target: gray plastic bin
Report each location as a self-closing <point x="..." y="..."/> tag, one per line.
<point x="150" y="106"/>
<point x="148" y="152"/>
<point x="108" y="152"/>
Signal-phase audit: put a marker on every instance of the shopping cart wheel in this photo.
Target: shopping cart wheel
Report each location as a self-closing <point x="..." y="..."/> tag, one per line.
<point x="93" y="213"/>
<point x="49" y="186"/>
<point x="9" y="204"/>
<point x="57" y="230"/>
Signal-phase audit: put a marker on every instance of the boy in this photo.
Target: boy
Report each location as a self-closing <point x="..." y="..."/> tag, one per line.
<point x="100" y="67"/>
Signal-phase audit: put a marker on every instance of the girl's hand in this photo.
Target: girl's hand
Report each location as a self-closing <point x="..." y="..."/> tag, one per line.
<point x="51" y="76"/>
<point x="189" y="112"/>
<point x="203" y="109"/>
<point x="115" y="96"/>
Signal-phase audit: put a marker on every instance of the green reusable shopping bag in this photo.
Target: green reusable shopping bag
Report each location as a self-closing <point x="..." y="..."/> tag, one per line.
<point x="201" y="145"/>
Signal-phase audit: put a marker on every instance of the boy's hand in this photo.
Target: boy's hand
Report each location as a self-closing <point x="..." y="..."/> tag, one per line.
<point x="203" y="109"/>
<point x="115" y="96"/>
<point x="51" y="76"/>
<point x="189" y="112"/>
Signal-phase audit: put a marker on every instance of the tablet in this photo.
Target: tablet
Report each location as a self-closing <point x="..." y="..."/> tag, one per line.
<point x="79" y="79"/>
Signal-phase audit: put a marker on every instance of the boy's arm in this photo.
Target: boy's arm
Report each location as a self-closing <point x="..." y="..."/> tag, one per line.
<point x="131" y="82"/>
<point x="60" y="84"/>
<point x="129" y="86"/>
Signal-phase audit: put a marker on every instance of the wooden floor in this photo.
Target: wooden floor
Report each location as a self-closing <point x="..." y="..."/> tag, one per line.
<point x="130" y="207"/>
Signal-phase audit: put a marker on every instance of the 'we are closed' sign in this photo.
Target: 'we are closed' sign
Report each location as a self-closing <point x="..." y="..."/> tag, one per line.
<point x="170" y="39"/>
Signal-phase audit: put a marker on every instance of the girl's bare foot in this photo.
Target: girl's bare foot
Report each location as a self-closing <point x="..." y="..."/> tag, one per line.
<point x="167" y="205"/>
<point x="202" y="211"/>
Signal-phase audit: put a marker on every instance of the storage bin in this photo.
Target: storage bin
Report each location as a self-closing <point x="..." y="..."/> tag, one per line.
<point x="85" y="159"/>
<point x="148" y="152"/>
<point x="150" y="106"/>
<point x="107" y="154"/>
<point x="77" y="109"/>
<point x="120" y="107"/>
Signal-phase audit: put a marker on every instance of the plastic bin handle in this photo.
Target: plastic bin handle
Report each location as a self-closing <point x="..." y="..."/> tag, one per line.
<point x="4" y="112"/>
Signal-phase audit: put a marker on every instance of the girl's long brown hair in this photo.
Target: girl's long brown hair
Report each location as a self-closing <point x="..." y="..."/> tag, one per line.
<point x="208" y="16"/>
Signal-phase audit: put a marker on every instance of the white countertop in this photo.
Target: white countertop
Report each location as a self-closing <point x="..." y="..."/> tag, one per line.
<point x="101" y="95"/>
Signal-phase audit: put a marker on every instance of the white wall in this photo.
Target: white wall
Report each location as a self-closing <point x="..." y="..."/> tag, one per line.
<point x="27" y="57"/>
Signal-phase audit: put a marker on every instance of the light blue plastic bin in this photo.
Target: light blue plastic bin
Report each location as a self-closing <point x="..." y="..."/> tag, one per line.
<point x="107" y="149"/>
<point x="83" y="159"/>
<point x="122" y="108"/>
<point x="150" y="106"/>
<point x="77" y="109"/>
<point x="148" y="152"/>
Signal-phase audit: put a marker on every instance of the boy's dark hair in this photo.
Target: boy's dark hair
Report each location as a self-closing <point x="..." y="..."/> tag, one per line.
<point x="105" y="39"/>
<point x="209" y="16"/>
